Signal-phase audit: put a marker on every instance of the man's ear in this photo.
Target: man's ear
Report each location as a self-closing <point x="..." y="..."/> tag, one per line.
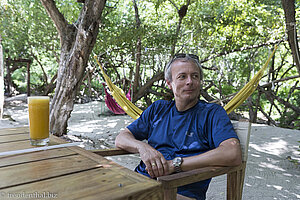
<point x="169" y="84"/>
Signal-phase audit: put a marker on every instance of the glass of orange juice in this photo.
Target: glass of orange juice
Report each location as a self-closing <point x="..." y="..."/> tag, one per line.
<point x="38" y="108"/>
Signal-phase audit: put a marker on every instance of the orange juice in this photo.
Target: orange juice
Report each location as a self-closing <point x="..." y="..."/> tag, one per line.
<point x="38" y="108"/>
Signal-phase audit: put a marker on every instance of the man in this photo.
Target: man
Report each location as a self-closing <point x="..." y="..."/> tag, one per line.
<point x="184" y="134"/>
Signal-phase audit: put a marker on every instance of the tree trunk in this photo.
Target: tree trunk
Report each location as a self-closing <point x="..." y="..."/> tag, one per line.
<point x="77" y="41"/>
<point x="143" y="90"/>
<point x="289" y="11"/>
<point x="252" y="113"/>
<point x="138" y="54"/>
<point x="181" y="13"/>
<point x="1" y="80"/>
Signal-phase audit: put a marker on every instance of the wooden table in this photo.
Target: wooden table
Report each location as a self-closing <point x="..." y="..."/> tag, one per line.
<point x="66" y="173"/>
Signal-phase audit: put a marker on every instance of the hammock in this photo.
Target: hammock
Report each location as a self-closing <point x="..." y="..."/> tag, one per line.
<point x="112" y="104"/>
<point x="120" y="97"/>
<point x="236" y="101"/>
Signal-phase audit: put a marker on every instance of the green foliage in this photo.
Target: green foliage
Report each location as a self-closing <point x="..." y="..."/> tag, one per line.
<point x="289" y="118"/>
<point x="27" y="32"/>
<point x="217" y="31"/>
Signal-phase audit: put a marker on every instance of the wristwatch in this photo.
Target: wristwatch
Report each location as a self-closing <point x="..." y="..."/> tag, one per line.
<point x="177" y="164"/>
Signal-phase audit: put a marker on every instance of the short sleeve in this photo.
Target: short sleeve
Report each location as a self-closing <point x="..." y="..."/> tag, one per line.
<point x="222" y="128"/>
<point x="140" y="128"/>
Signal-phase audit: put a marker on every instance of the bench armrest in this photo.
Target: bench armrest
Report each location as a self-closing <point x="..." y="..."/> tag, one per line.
<point x="110" y="152"/>
<point x="188" y="177"/>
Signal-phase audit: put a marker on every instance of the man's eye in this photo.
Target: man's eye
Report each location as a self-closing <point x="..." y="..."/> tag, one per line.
<point x="195" y="76"/>
<point x="181" y="76"/>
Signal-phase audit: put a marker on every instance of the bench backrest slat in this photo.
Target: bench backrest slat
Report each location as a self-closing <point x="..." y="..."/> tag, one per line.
<point x="243" y="130"/>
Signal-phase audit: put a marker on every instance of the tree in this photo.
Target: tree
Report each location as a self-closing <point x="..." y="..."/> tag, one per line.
<point x="232" y="39"/>
<point x="1" y="80"/>
<point x="145" y="89"/>
<point x="28" y="33"/>
<point x="138" y="53"/>
<point x="290" y="19"/>
<point x="77" y="41"/>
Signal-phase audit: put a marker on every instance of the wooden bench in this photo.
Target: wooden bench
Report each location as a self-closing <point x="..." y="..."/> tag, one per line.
<point x="235" y="175"/>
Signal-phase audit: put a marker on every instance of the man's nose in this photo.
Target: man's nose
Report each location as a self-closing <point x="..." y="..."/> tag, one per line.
<point x="189" y="80"/>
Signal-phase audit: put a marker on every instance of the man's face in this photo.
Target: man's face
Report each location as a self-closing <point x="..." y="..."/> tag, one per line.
<point x="185" y="82"/>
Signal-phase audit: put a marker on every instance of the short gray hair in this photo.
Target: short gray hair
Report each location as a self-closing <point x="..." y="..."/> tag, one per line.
<point x="184" y="58"/>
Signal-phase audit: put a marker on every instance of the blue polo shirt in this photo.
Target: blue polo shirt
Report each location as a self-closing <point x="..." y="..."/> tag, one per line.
<point x="173" y="133"/>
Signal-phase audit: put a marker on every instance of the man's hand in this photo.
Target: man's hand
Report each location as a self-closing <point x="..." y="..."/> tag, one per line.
<point x="156" y="164"/>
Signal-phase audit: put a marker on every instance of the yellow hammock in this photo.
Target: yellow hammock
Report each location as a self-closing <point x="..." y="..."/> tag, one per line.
<point x="120" y="96"/>
<point x="235" y="102"/>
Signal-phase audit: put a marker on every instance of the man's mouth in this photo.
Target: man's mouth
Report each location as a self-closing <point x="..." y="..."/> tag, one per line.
<point x="190" y="90"/>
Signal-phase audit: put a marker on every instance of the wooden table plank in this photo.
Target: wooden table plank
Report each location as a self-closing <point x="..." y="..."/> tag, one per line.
<point x="69" y="173"/>
<point x="24" y="144"/>
<point x="12" y="146"/>
<point x="13" y="137"/>
<point x="34" y="156"/>
<point x="98" y="184"/>
<point x="18" y="130"/>
<point x="138" y="191"/>
<point x="18" y="145"/>
<point x="44" y="169"/>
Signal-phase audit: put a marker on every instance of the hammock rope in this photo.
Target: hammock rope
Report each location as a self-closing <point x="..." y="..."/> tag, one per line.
<point x="120" y="97"/>
<point x="235" y="102"/>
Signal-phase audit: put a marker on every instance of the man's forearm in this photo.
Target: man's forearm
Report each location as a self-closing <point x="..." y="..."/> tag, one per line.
<point x="156" y="164"/>
<point x="227" y="154"/>
<point x="125" y="140"/>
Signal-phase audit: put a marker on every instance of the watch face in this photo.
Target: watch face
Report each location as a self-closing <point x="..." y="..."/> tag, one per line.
<point x="177" y="161"/>
<point x="177" y="164"/>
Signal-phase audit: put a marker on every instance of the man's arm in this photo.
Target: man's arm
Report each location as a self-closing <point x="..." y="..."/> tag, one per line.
<point x="227" y="154"/>
<point x="156" y="164"/>
<point x="125" y="140"/>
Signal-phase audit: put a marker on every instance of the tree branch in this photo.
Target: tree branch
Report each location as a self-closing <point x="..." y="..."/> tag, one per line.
<point x="240" y="49"/>
<point x="40" y="64"/>
<point x="148" y="84"/>
<point x="174" y="5"/>
<point x="181" y="12"/>
<point x="267" y="116"/>
<point x="280" y="80"/>
<point x="57" y="17"/>
<point x="271" y="96"/>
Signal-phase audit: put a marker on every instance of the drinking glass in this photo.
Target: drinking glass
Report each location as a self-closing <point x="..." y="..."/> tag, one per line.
<point x="38" y="108"/>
